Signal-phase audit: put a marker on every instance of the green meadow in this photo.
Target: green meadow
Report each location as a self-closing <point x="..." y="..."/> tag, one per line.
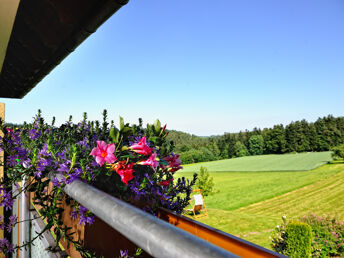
<point x="251" y="204"/>
<point x="285" y="162"/>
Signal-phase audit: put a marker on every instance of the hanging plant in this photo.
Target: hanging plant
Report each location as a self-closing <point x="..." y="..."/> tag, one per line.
<point x="132" y="163"/>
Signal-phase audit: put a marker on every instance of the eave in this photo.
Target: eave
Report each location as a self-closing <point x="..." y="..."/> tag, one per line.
<point x="44" y="33"/>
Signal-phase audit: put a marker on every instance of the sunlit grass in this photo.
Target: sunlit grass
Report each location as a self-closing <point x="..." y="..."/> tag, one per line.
<point x="251" y="204"/>
<point x="285" y="162"/>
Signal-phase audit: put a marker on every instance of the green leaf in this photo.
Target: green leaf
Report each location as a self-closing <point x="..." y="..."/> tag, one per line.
<point x="127" y="130"/>
<point x="157" y="126"/>
<point x="121" y="123"/>
<point x="114" y="134"/>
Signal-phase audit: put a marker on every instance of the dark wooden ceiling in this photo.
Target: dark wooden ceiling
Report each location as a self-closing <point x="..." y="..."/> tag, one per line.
<point x="44" y="33"/>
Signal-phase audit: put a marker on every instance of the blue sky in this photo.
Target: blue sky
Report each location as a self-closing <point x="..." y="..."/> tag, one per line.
<point x="203" y="67"/>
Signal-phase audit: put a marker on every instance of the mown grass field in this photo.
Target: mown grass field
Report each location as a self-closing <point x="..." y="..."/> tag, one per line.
<point x="251" y="204"/>
<point x="285" y="162"/>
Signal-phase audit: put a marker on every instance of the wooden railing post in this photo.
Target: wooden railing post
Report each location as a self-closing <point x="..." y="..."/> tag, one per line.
<point x="2" y="116"/>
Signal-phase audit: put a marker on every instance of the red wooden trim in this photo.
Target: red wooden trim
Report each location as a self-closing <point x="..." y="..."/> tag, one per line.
<point x="226" y="241"/>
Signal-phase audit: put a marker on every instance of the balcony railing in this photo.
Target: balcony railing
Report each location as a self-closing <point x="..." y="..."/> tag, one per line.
<point x="168" y="235"/>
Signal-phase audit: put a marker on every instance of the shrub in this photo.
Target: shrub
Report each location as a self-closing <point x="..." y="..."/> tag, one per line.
<point x="328" y="236"/>
<point x="205" y="182"/>
<point x="195" y="156"/>
<point x="298" y="239"/>
<point x="292" y="238"/>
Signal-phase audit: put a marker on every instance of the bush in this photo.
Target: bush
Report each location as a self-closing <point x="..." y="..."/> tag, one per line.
<point x="338" y="152"/>
<point x="298" y="239"/>
<point x="292" y="238"/>
<point x="205" y="182"/>
<point x="328" y="236"/>
<point x="195" y="156"/>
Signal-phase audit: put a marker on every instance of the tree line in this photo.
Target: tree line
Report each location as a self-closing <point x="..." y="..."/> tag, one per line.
<point x="299" y="136"/>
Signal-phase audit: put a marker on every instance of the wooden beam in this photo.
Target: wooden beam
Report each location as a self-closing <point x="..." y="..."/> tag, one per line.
<point x="8" y="11"/>
<point x="2" y="116"/>
<point x="219" y="238"/>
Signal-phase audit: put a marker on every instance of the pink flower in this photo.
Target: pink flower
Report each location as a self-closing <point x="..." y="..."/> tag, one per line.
<point x="173" y="162"/>
<point x="104" y="153"/>
<point x="151" y="161"/>
<point x="141" y="147"/>
<point x="124" y="170"/>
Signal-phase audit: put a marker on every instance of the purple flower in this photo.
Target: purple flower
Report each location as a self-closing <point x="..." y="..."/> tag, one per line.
<point x="13" y="220"/>
<point x="64" y="167"/>
<point x="34" y="134"/>
<point x="124" y="253"/>
<point x="74" y="214"/>
<point x="85" y="216"/>
<point x="62" y="155"/>
<point x="86" y="220"/>
<point x="7" y="201"/>
<point x="56" y="182"/>
<point x="44" y="151"/>
<point x="5" y="245"/>
<point x="37" y="174"/>
<point x="11" y="161"/>
<point x="83" y="143"/>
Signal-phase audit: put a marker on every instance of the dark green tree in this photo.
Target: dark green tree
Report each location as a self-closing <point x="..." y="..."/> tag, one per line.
<point x="256" y="145"/>
<point x="240" y="149"/>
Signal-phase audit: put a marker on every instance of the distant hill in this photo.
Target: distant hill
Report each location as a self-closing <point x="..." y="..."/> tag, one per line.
<point x="300" y="136"/>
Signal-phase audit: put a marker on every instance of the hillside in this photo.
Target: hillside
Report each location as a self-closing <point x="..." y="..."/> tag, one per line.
<point x="285" y="162"/>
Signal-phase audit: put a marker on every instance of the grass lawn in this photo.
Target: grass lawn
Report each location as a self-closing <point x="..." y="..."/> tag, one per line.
<point x="285" y="162"/>
<point x="250" y="204"/>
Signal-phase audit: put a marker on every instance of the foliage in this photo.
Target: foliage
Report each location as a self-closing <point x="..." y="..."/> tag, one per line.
<point x="338" y="152"/>
<point x="131" y="163"/>
<point x="205" y="182"/>
<point x="299" y="136"/>
<point x="279" y="237"/>
<point x="249" y="204"/>
<point x="292" y="239"/>
<point x="299" y="239"/>
<point x="196" y="156"/>
<point x="328" y="235"/>
<point x="240" y="149"/>
<point x="256" y="145"/>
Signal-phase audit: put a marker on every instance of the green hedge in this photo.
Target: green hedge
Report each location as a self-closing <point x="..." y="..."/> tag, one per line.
<point x="298" y="240"/>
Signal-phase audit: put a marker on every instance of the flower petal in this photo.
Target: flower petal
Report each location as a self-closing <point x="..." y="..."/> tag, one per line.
<point x="110" y="148"/>
<point x="100" y="160"/>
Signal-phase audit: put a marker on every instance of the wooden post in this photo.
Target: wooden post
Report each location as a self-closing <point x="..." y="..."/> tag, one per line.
<point x="2" y="116"/>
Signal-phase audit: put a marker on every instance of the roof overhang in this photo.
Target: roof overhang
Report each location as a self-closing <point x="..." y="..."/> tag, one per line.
<point x="43" y="34"/>
<point x="8" y="11"/>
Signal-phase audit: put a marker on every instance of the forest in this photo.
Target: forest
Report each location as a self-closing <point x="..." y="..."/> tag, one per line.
<point x="300" y="136"/>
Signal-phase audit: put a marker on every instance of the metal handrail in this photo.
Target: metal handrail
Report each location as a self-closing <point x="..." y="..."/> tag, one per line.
<point x="157" y="237"/>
